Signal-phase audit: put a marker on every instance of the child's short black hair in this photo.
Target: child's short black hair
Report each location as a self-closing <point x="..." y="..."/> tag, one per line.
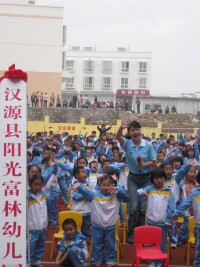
<point x="178" y="159"/>
<point x="77" y="170"/>
<point x="69" y="222"/>
<point x="80" y="159"/>
<point x="94" y="161"/>
<point x="157" y="172"/>
<point x="99" y="157"/>
<point x="165" y="164"/>
<point x="34" y="178"/>
<point x="107" y="177"/>
<point x="30" y="166"/>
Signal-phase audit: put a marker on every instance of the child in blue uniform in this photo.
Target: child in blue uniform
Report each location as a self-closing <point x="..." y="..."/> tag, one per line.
<point x="104" y="214"/>
<point x="73" y="247"/>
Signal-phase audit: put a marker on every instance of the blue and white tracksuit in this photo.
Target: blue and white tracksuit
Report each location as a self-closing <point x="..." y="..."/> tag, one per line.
<point x="194" y="200"/>
<point x="79" y="202"/>
<point x="76" y="247"/>
<point x="160" y="207"/>
<point x="64" y="175"/>
<point x="179" y="192"/>
<point x="104" y="215"/>
<point x="38" y="221"/>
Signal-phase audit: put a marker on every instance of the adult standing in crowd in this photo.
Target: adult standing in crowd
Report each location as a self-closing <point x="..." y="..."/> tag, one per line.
<point x="103" y="129"/>
<point x="140" y="158"/>
<point x="138" y="102"/>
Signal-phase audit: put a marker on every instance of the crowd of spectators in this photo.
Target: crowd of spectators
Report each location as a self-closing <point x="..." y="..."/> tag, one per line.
<point x="40" y="99"/>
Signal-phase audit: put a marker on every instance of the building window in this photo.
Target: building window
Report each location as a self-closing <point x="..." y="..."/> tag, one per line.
<point x="88" y="82"/>
<point x="88" y="66"/>
<point x="69" y="64"/>
<point x="106" y="82"/>
<point x="69" y="82"/>
<point x="142" y="66"/>
<point x="124" y="83"/>
<point x="124" y="66"/>
<point x="107" y="66"/>
<point x="142" y="83"/>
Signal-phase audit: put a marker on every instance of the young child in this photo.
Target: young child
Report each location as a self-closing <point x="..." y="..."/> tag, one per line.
<point x="160" y="206"/>
<point x="80" y="202"/>
<point x="37" y="216"/>
<point x="104" y="215"/>
<point x="73" y="247"/>
<point x="185" y="181"/>
<point x="94" y="172"/>
<point x="194" y="200"/>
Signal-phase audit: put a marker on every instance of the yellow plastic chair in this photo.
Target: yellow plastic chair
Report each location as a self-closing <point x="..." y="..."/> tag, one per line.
<point x="63" y="215"/>
<point x="191" y="238"/>
<point x="69" y="198"/>
<point x="119" y="251"/>
<point x="125" y="226"/>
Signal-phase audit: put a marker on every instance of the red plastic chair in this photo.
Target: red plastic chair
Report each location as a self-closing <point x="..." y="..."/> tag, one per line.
<point x="146" y="235"/>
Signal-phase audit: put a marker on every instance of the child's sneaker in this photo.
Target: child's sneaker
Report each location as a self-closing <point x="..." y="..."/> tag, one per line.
<point x="173" y="245"/>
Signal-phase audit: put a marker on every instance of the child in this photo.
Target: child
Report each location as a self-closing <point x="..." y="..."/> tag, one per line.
<point x="185" y="181"/>
<point x="104" y="215"/>
<point x="37" y="216"/>
<point x="160" y="205"/>
<point x="80" y="202"/>
<point x="72" y="246"/>
<point x="94" y="172"/>
<point x="194" y="200"/>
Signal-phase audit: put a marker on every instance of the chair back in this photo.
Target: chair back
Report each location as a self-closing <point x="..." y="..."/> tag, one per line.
<point x="124" y="208"/>
<point x="75" y="215"/>
<point x="147" y="235"/>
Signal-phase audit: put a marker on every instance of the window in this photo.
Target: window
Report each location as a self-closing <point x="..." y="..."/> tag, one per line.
<point x="149" y="107"/>
<point x="124" y="83"/>
<point x="106" y="82"/>
<point x="125" y="66"/>
<point x="107" y="66"/>
<point x="88" y="66"/>
<point x="69" y="82"/>
<point x="142" y="66"/>
<point x="88" y="82"/>
<point x="142" y="83"/>
<point x="69" y="64"/>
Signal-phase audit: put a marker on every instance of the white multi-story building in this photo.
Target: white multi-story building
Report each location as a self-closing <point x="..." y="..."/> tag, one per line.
<point x="32" y="39"/>
<point x="106" y="74"/>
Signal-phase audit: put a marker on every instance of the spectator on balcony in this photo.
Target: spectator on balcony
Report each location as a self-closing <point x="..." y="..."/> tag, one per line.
<point x="58" y="102"/>
<point x="173" y="109"/>
<point x="37" y="99"/>
<point x="52" y="99"/>
<point x="45" y="99"/>
<point x="41" y="99"/>
<point x="74" y="101"/>
<point x="65" y="103"/>
<point x="33" y="99"/>
<point x="167" y="110"/>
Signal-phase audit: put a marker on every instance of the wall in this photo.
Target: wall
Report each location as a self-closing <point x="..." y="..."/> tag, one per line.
<point x="33" y="43"/>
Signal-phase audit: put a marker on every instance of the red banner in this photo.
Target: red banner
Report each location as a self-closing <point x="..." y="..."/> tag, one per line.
<point x="127" y="92"/>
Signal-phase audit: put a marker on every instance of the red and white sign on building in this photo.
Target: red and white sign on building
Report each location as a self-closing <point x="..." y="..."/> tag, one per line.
<point x="13" y="185"/>
<point x="127" y="92"/>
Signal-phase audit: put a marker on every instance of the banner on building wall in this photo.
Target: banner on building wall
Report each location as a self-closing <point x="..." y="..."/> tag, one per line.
<point x="127" y="92"/>
<point x="13" y="186"/>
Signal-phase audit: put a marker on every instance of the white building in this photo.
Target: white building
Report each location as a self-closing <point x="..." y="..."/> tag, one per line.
<point x="102" y="73"/>
<point x="32" y="39"/>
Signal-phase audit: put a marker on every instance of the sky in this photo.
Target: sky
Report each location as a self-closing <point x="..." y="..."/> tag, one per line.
<point x="170" y="29"/>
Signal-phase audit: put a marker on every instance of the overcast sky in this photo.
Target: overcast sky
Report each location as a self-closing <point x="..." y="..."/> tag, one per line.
<point x="170" y="29"/>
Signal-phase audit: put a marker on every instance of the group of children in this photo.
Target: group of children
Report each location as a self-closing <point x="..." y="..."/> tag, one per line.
<point x="96" y="171"/>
